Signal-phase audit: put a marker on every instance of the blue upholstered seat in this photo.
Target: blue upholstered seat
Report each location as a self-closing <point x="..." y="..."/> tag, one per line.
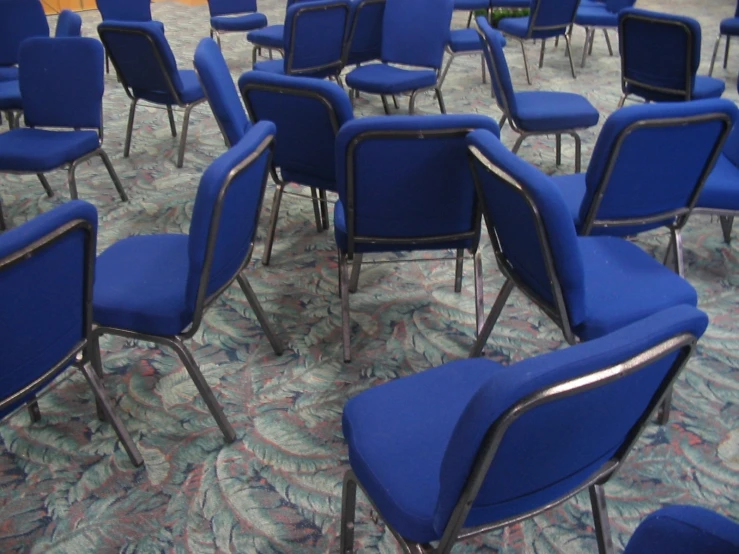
<point x="41" y="150"/>
<point x="8" y="73"/>
<point x="729" y="26"/>
<point x="379" y="78"/>
<point x="471" y="4"/>
<point x="514" y="25"/>
<point x="270" y="37"/>
<point x="189" y="90"/>
<point x="465" y="40"/>
<point x="245" y="22"/>
<point x="596" y="16"/>
<point x="599" y="15"/>
<point x="10" y="96"/>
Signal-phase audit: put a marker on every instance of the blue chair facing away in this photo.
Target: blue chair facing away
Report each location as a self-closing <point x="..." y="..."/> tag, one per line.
<point x="157" y="287"/>
<point x="534" y="112"/>
<point x="599" y="15"/>
<point x="404" y="184"/>
<point x="47" y="271"/>
<point x="473" y="446"/>
<point x="364" y="36"/>
<point x="466" y="42"/>
<point x="729" y="28"/>
<point x="308" y="114"/>
<point x="19" y="20"/>
<point x="124" y="10"/>
<point x="648" y="169"/>
<point x="148" y="71"/>
<point x="234" y="16"/>
<point x="667" y="73"/>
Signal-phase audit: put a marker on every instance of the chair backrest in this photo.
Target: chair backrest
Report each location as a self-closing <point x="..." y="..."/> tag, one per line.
<point x="500" y="76"/>
<point x="314" y="37"/>
<point x="125" y="10"/>
<point x="308" y="114"/>
<point x="550" y="18"/>
<point x="61" y="82"/>
<point x="220" y="91"/>
<point x="615" y="6"/>
<point x="364" y="39"/>
<point x="47" y="268"/>
<point x="225" y="216"/>
<point x="407" y="180"/>
<point x="69" y="24"/>
<point x="141" y="56"/>
<point x="19" y="20"/>
<point x="650" y="163"/>
<point x="229" y="7"/>
<point x="548" y="427"/>
<point x="530" y="226"/>
<point x="664" y="73"/>
<point x="415" y="32"/>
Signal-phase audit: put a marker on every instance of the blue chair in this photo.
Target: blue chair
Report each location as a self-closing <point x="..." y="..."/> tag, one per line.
<point x="19" y="20"/>
<point x="730" y="28"/>
<point x="61" y="83"/>
<point x="234" y="16"/>
<point x="414" y="33"/>
<point x="148" y="71"/>
<point x="157" y="287"/>
<point x="472" y="446"/>
<point x="124" y="10"/>
<point x="221" y="91"/>
<point x="404" y="184"/>
<point x="667" y="73"/>
<point x="47" y="271"/>
<point x="314" y="40"/>
<point x="68" y="24"/>
<point x="546" y="19"/>
<point x="364" y="39"/>
<point x="599" y="15"/>
<point x="270" y="38"/>
<point x="466" y="42"/>
<point x="535" y="112"/>
<point x="308" y="114"/>
<point x="685" y="530"/>
<point x="648" y="169"/>
<point x="473" y="6"/>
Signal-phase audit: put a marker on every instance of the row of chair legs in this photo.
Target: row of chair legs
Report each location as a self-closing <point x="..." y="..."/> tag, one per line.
<point x="558" y="137"/>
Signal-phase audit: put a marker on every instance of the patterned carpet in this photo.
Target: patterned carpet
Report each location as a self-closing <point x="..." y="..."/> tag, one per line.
<point x="67" y="486"/>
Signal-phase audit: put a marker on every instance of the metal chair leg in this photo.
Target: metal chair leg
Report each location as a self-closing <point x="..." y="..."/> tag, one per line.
<point x="183" y="138"/>
<point x="129" y="128"/>
<point x="726" y="50"/>
<point x="316" y="209"/>
<point x="272" y="223"/>
<point x="344" y="292"/>
<point x="412" y="103"/>
<point x="578" y="151"/>
<point x="107" y="62"/>
<point x="2" y="219"/>
<point x="608" y="41"/>
<point x="525" y="62"/>
<point x="588" y="38"/>
<point x="663" y="416"/>
<point x="113" y="175"/>
<point x="385" y="105"/>
<point x="356" y="269"/>
<point x="715" y="51"/>
<point x="254" y="55"/>
<point x="324" y="209"/>
<point x="459" y="270"/>
<point x="272" y="336"/>
<point x="541" y="53"/>
<point x="469" y="19"/>
<point x="348" y="512"/>
<point x="395" y="101"/>
<point x="172" y="126"/>
<point x="517" y="144"/>
<point x="569" y="56"/>
<point x="493" y="316"/>
<point x="502" y="121"/>
<point x="484" y="78"/>
<point x="446" y="69"/>
<point x="440" y="98"/>
<point x="622" y="100"/>
<point x="479" y="302"/>
<point x="558" y="149"/>
<point x="33" y="410"/>
<point x="93" y="353"/>
<point x="678" y="245"/>
<point x="45" y="184"/>
<point x="72" y="181"/>
<point x="600" y="517"/>
<point x="727" y="221"/>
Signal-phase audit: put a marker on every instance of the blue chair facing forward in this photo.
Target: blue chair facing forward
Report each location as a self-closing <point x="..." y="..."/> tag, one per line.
<point x="270" y="38"/>
<point x="234" y="16"/>
<point x="729" y="28"/>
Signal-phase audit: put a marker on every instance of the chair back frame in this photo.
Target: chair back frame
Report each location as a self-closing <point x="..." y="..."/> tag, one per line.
<point x="307" y="7"/>
<point x="353" y="28"/>
<point x="535" y="14"/>
<point x="502" y="102"/>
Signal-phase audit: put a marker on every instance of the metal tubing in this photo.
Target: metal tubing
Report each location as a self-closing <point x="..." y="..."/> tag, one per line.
<point x="272" y="223"/>
<point x="272" y="336"/>
<point x="356" y="269"/>
<point x="495" y="311"/>
<point x="344" y="292"/>
<point x="129" y="127"/>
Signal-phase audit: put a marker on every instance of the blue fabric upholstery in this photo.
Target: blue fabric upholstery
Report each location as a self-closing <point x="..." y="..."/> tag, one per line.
<point x="601" y="14"/>
<point x="707" y="87"/>
<point x="10" y="96"/>
<point x="69" y="24"/>
<point x="19" y="20"/>
<point x="549" y="18"/>
<point x="271" y="66"/>
<point x="43" y="297"/>
<point x="150" y="283"/>
<point x="520" y="4"/>
<point x="465" y="40"/>
<point x="245" y="22"/>
<point x="730" y="26"/>
<point x="415" y="32"/>
<point x="469" y="5"/>
<point x="721" y="190"/>
<point x="39" y="150"/>
<point x="685" y="530"/>
<point x="269" y="37"/>
<point x="413" y="458"/>
<point x="125" y="10"/>
<point x="231" y="7"/>
<point x="387" y="79"/>
<point x="221" y="91"/>
<point x="365" y="44"/>
<point x="8" y="73"/>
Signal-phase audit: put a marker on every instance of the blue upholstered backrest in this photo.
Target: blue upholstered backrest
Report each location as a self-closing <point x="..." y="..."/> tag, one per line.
<point x="411" y="177"/>
<point x="553" y="448"/>
<point x="228" y="7"/>
<point x="69" y="24"/>
<point x="415" y="32"/>
<point x="500" y="76"/>
<point x="43" y="295"/>
<point x="366" y="22"/>
<point x="510" y="215"/>
<point x="616" y="6"/>
<point x="61" y="82"/>
<point x="549" y="17"/>
<point x="240" y="206"/>
<point x="314" y="34"/>
<point x="141" y="54"/>
<point x="302" y="108"/>
<point x="19" y="20"/>
<point x="221" y="91"/>
<point x="649" y="170"/>
<point x="125" y="10"/>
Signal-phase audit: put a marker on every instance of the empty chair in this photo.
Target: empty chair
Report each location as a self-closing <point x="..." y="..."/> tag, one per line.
<point x="404" y="184"/>
<point x="68" y="24"/>
<point x="414" y="34"/>
<point x="599" y="15"/>
<point x="648" y="169"/>
<point x="124" y="10"/>
<point x="19" y="20"/>
<point x="270" y="38"/>
<point x="472" y="446"/>
<point x="308" y="114"/>
<point x="157" y="287"/>
<point x="667" y="73"/>
<point x="234" y="16"/>
<point x="730" y="28"/>
<point x="61" y="83"/>
<point x="364" y="36"/>
<point x="466" y="42"/>
<point x="546" y="19"/>
<point x="148" y="71"/>
<point x="535" y="112"/>
<point x="47" y="271"/>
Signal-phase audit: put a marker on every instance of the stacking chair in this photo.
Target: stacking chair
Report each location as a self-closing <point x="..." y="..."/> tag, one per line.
<point x="19" y="20"/>
<point x="124" y="10"/>
<point x="648" y="169"/>
<point x="414" y="33"/>
<point x="270" y="38"/>
<point x="61" y="83"/>
<point x="234" y="16"/>
<point x="157" y="287"/>
<point x="148" y="71"/>
<point x="535" y="112"/>
<point x="364" y="36"/>
<point x="466" y="42"/>
<point x="47" y="271"/>
<point x="729" y="28"/>
<point x="221" y="91"/>
<point x="546" y="19"/>
<point x="308" y="114"/>
<point x="599" y="15"/>
<point x="404" y="184"/>
<point x="667" y="73"/>
<point x="473" y="446"/>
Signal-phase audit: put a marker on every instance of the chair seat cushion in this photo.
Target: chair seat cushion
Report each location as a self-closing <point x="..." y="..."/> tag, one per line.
<point x="8" y="73"/>
<point x="730" y="26"/>
<point x="400" y="469"/>
<point x="39" y="150"/>
<point x="471" y="4"/>
<point x="271" y="66"/>
<point x="595" y="16"/>
<point x="271" y="36"/>
<point x="468" y="40"/>
<point x="613" y="266"/>
<point x="553" y="111"/>
<point x="708" y="87"/>
<point x="140" y="285"/>
<point x="246" y="22"/>
<point x="381" y="78"/>
<point x="721" y="191"/>
<point x="191" y="90"/>
<point x="519" y="27"/>
<point x="10" y="95"/>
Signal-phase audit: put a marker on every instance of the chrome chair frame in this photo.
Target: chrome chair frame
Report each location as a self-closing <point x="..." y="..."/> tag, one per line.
<point x="412" y="102"/>
<point x="725" y="218"/>
<point x="82" y="351"/>
<point x="587" y="48"/>
<point x="202" y="303"/>
<point x="683" y="343"/>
